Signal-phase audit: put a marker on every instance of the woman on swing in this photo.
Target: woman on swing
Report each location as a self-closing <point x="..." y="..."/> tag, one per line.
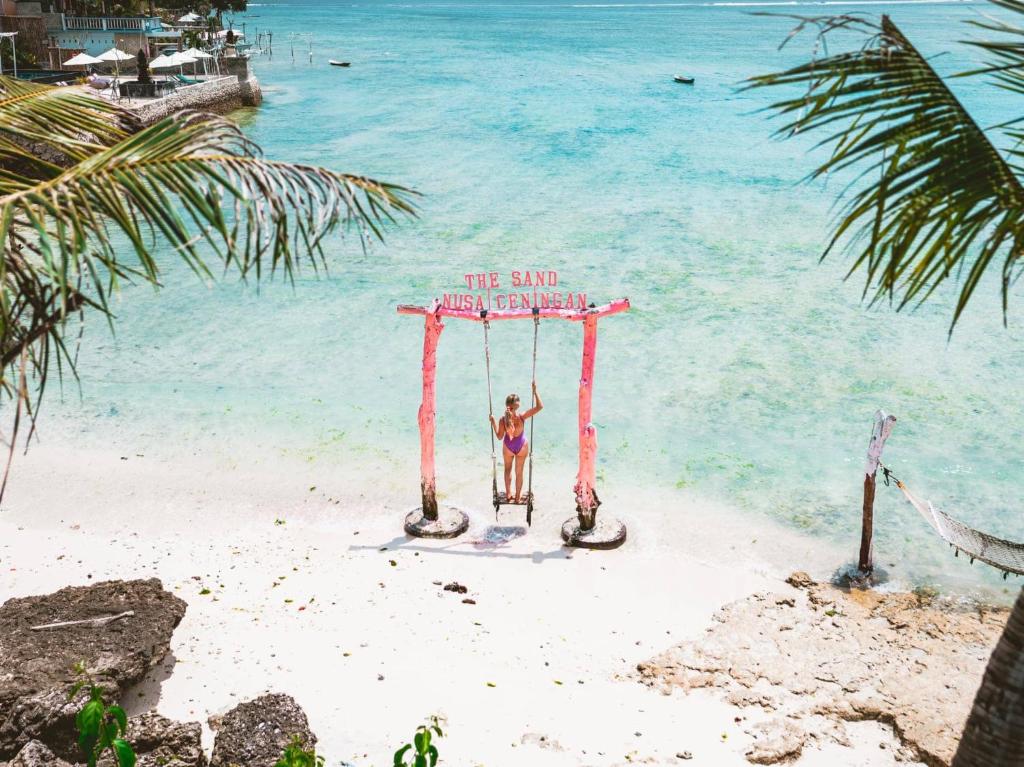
<point x="511" y="430"/>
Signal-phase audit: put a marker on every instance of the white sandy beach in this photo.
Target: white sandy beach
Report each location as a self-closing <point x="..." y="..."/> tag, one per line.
<point x="339" y="609"/>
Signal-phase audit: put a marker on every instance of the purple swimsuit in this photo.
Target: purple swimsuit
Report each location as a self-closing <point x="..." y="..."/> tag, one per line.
<point x="515" y="445"/>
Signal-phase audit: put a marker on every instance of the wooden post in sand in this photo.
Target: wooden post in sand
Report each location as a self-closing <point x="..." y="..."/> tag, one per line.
<point x="584" y="531"/>
<point x="586" y="476"/>
<point x="427" y="521"/>
<point x="884" y="424"/>
<point x="428" y="490"/>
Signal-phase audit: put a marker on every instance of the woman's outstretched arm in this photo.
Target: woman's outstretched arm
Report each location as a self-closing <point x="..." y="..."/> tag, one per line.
<point x="536" y="408"/>
<point x="498" y="426"/>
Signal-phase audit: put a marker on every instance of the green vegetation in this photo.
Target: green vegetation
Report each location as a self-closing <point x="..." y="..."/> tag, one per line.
<point x="940" y="196"/>
<point x="421" y="752"/>
<point x="296" y="755"/>
<point x="219" y="7"/>
<point x="89" y="201"/>
<point x="142" y="64"/>
<point x="101" y="728"/>
<point x="105" y="7"/>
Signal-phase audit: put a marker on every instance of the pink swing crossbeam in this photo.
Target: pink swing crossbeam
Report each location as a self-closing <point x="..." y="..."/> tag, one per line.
<point x="573" y="315"/>
<point x="584" y="489"/>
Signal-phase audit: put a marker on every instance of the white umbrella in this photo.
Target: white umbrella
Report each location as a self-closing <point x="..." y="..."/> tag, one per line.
<point x="175" y="60"/>
<point x="163" y="61"/>
<point x="116" y="56"/>
<point x="181" y="58"/>
<point x="82" y="60"/>
<point x="190" y="18"/>
<point x="195" y="53"/>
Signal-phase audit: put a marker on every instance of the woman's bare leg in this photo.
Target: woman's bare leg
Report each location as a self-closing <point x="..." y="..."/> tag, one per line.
<point x="508" y="455"/>
<point x="520" y="460"/>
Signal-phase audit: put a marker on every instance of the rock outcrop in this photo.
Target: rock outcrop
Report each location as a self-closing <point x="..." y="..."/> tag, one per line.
<point x="160" y="742"/>
<point x="37" y="668"/>
<point x="818" y="656"/>
<point x="35" y="754"/>
<point x="255" y="733"/>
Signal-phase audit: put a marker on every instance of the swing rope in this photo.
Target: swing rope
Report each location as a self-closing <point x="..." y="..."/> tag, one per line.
<point x="533" y="404"/>
<point x="490" y="411"/>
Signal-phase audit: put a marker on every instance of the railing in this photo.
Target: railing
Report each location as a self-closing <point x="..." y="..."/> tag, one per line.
<point x="109" y="23"/>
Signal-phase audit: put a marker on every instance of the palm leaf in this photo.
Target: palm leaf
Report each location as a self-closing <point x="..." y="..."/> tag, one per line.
<point x="934" y="198"/>
<point x="63" y="121"/>
<point x="1006" y="49"/>
<point x="170" y="183"/>
<point x="76" y="183"/>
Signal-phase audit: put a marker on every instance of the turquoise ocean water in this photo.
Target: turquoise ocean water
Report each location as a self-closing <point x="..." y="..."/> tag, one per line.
<point x="550" y="135"/>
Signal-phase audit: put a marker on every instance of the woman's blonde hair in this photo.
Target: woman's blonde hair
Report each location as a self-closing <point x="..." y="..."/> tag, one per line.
<point x="508" y="403"/>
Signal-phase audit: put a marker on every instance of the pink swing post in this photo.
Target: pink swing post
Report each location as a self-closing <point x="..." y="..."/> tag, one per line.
<point x="586" y="477"/>
<point x="425" y="417"/>
<point x="428" y="521"/>
<point x="583" y="530"/>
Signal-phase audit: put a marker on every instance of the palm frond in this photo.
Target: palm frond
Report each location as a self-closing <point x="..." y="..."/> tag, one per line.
<point x="42" y="119"/>
<point x="192" y="187"/>
<point x="934" y="197"/>
<point x="1006" y="48"/>
<point x="193" y="182"/>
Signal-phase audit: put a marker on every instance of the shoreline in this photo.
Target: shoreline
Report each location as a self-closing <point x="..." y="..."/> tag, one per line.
<point x="328" y="477"/>
<point x="318" y="594"/>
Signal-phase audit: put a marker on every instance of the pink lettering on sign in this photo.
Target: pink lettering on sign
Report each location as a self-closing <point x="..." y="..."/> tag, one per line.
<point x="521" y="289"/>
<point x="481" y="280"/>
<point x="537" y="279"/>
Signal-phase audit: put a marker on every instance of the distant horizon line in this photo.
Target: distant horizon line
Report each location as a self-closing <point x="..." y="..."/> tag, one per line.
<point x="720" y="4"/>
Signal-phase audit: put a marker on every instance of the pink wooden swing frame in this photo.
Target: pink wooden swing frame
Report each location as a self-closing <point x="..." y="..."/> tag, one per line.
<point x="586" y="477"/>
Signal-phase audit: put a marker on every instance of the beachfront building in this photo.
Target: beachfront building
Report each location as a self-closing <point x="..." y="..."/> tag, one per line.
<point x="70" y="35"/>
<point x="26" y="22"/>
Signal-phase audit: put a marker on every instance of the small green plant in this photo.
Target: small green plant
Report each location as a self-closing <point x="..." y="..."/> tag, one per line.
<point x="297" y="755"/>
<point x="102" y="728"/>
<point x="422" y="752"/>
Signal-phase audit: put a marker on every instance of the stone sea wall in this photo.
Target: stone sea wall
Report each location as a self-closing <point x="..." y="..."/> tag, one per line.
<point x="237" y="88"/>
<point x="220" y="95"/>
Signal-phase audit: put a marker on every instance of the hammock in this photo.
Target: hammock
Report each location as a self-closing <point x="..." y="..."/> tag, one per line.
<point x="1001" y="554"/>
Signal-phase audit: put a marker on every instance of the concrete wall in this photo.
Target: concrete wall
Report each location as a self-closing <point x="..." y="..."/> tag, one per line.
<point x="252" y="95"/>
<point x="238" y="66"/>
<point x="236" y="88"/>
<point x="93" y="42"/>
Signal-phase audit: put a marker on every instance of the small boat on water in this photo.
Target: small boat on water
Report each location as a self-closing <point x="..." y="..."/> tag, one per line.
<point x="683" y="79"/>
<point x="334" y="63"/>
